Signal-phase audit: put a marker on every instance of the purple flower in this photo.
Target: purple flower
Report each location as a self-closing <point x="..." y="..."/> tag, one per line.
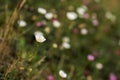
<point x="50" y="77"/>
<point x="90" y="57"/>
<point x="95" y="22"/>
<point x="75" y="31"/>
<point x="112" y="76"/>
<point x="86" y="16"/>
<point x="38" y="24"/>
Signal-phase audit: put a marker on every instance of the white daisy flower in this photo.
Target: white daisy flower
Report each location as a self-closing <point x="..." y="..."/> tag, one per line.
<point x="110" y="16"/>
<point x="81" y="10"/>
<point x="66" y="45"/>
<point x="84" y="31"/>
<point x="39" y="36"/>
<point x="55" y="45"/>
<point x="99" y="66"/>
<point x="49" y="16"/>
<point x="66" y="39"/>
<point x="22" y="23"/>
<point x="56" y="23"/>
<point x="71" y="15"/>
<point x="42" y="10"/>
<point x="62" y="74"/>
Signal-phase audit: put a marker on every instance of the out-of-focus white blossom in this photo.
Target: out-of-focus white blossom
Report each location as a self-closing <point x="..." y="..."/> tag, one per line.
<point x="42" y="10"/>
<point x="81" y="10"/>
<point x="56" y="23"/>
<point x="62" y="74"/>
<point x="55" y="45"/>
<point x="66" y="45"/>
<point x="66" y="39"/>
<point x="22" y="23"/>
<point x="84" y="31"/>
<point x="49" y="16"/>
<point x="99" y="66"/>
<point x="47" y="30"/>
<point x="39" y="36"/>
<point x="110" y="16"/>
<point x="71" y="15"/>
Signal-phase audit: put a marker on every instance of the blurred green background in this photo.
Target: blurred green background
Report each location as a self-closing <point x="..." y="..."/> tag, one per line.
<point x="35" y="45"/>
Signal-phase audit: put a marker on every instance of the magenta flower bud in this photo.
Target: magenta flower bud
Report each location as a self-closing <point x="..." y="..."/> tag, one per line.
<point x="38" y="24"/>
<point x="50" y="77"/>
<point x="90" y="57"/>
<point x="86" y="16"/>
<point x="112" y="76"/>
<point x="75" y="31"/>
<point x="95" y="22"/>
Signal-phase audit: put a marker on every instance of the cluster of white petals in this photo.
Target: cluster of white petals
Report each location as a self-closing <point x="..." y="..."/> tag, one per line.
<point x="71" y="15"/>
<point x="65" y="42"/>
<point x="42" y="10"/>
<point x="81" y="10"/>
<point x="39" y="36"/>
<point x="62" y="74"/>
<point x="22" y="23"/>
<point x="49" y="15"/>
<point x="56" y="24"/>
<point x="99" y="66"/>
<point x="66" y="39"/>
<point x="84" y="31"/>
<point x="66" y="45"/>
<point x="110" y="16"/>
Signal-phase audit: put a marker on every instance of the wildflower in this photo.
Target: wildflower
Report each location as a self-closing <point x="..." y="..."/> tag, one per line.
<point x="110" y="16"/>
<point x="47" y="30"/>
<point x="86" y="15"/>
<point x="84" y="31"/>
<point x="90" y="57"/>
<point x="71" y="15"/>
<point x="66" y="45"/>
<point x="62" y="74"/>
<point x="22" y="23"/>
<point x="81" y="10"/>
<point x="38" y="24"/>
<point x="55" y="45"/>
<point x="66" y="39"/>
<point x="39" y="36"/>
<point x="56" y="23"/>
<point x="75" y="30"/>
<point x="42" y="10"/>
<point x="49" y="16"/>
<point x="50" y="77"/>
<point x="95" y="22"/>
<point x="99" y="66"/>
<point x="112" y="76"/>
